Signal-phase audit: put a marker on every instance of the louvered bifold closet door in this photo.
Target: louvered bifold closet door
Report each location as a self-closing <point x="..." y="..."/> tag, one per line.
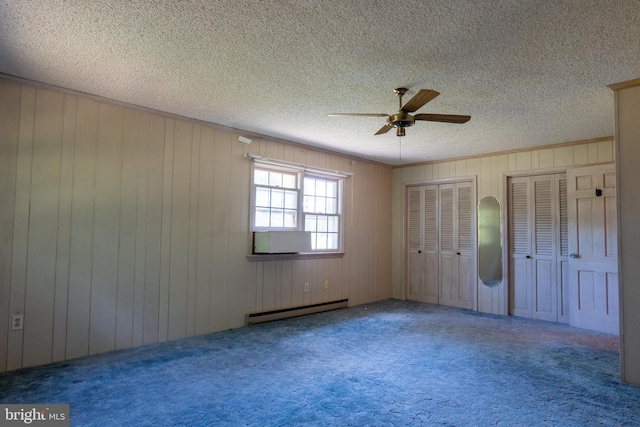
<point x="545" y="303"/>
<point x="431" y="247"/>
<point x="448" y="291"/>
<point x="465" y="250"/>
<point x="562" y="251"/>
<point x="519" y="246"/>
<point x="415" y="233"/>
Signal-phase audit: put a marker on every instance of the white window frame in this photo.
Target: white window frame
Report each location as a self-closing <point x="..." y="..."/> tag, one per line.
<point x="301" y="171"/>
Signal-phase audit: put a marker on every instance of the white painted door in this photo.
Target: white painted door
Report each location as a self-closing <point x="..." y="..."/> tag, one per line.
<point x="441" y="266"/>
<point x="537" y="236"/>
<point x="457" y="245"/>
<point x="422" y="243"/>
<point x="593" y="258"/>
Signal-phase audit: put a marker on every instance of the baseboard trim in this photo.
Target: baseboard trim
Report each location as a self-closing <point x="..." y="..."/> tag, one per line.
<point x="269" y="316"/>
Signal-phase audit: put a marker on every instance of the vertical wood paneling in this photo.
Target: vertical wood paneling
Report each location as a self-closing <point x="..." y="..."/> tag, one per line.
<point x="130" y="228"/>
<point x="21" y="223"/>
<point x="221" y="230"/>
<point x="43" y="211"/>
<point x="546" y="158"/>
<point x="194" y="170"/>
<point x="242" y="295"/>
<point x="9" y="135"/>
<point x="179" y="225"/>
<point x="523" y="160"/>
<point x="142" y="184"/>
<point x="82" y="214"/>
<point x="64" y="230"/>
<point x="165" y="245"/>
<point x="592" y="152"/>
<point x="154" y="219"/>
<point x="125" y="298"/>
<point x="580" y="155"/>
<point x="563" y="156"/>
<point x="205" y="232"/>
<point x="105" y="229"/>
<point x="605" y="152"/>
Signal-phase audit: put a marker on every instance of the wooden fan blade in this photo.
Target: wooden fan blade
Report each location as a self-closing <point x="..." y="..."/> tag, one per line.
<point x="444" y="118"/>
<point x="419" y="99"/>
<point x="358" y="114"/>
<point x="384" y="129"/>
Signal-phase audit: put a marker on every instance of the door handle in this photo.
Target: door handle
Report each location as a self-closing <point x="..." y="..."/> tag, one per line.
<point x="457" y="253"/>
<point x="528" y="256"/>
<point x="574" y="255"/>
<point x="419" y="252"/>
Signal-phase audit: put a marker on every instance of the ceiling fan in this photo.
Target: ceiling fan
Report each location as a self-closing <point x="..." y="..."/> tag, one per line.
<point x="402" y="119"/>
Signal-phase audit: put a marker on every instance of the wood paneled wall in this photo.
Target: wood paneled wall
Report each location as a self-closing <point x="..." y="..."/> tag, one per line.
<point x="121" y="227"/>
<point x="490" y="172"/>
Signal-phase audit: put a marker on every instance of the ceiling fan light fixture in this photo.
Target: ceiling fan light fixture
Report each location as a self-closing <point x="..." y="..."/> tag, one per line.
<point x="400" y="131"/>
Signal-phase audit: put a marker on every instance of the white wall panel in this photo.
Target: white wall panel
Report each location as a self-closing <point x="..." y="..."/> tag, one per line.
<point x="128" y="227"/>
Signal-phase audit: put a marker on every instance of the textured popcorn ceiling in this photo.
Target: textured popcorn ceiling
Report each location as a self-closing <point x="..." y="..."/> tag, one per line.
<point x="529" y="73"/>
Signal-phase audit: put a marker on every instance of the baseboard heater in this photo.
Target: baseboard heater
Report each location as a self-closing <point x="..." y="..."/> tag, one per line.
<point x="268" y="316"/>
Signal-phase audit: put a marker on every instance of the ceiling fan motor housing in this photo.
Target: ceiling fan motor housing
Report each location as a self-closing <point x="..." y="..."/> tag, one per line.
<point x="401" y="119"/>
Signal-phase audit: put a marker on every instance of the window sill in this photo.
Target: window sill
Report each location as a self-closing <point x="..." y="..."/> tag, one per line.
<point x="279" y="257"/>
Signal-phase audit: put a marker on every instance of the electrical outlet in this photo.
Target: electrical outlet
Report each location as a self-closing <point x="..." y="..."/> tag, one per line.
<point x="306" y="287"/>
<point x="326" y="284"/>
<point x="17" y="322"/>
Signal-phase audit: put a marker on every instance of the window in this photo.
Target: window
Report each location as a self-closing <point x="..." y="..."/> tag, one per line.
<point x="320" y="211"/>
<point x="296" y="199"/>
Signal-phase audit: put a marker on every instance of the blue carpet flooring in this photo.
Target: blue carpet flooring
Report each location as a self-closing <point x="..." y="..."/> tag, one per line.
<point x="383" y="364"/>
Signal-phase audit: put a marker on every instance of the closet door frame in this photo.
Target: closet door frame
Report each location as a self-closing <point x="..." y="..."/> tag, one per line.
<point x="506" y="255"/>
<point x="405" y="227"/>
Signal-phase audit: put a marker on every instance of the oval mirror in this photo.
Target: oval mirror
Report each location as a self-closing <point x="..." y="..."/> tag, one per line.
<point x="489" y="242"/>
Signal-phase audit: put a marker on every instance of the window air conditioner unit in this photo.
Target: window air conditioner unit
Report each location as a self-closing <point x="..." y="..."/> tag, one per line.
<point x="281" y="242"/>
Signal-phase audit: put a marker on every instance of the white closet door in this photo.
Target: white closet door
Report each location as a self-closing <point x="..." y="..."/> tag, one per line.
<point x="457" y="245"/>
<point x="448" y="267"/>
<point x="431" y="248"/>
<point x="520" y="224"/>
<point x="465" y="253"/>
<point x="415" y="227"/>
<point x="562" y="254"/>
<point x="544" y="283"/>
<point x="422" y="243"/>
<point x="538" y="246"/>
<point x="441" y="241"/>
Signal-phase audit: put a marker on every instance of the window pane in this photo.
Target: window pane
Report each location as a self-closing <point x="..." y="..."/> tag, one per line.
<point x="310" y="223"/>
<point x="261" y="177"/>
<point x="321" y="188"/>
<point x="309" y="186"/>
<point x="277" y="218"/>
<point x="290" y="218"/>
<point x="332" y="224"/>
<point x="331" y="206"/>
<point x="309" y="204"/>
<point x="332" y="241"/>
<point x="321" y="241"/>
<point x="262" y="196"/>
<point x="277" y="198"/>
<point x="320" y="205"/>
<point x="262" y="217"/>
<point x="288" y="181"/>
<point x="332" y="189"/>
<point x="290" y="199"/>
<point x="322" y="223"/>
<point x="275" y="179"/>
